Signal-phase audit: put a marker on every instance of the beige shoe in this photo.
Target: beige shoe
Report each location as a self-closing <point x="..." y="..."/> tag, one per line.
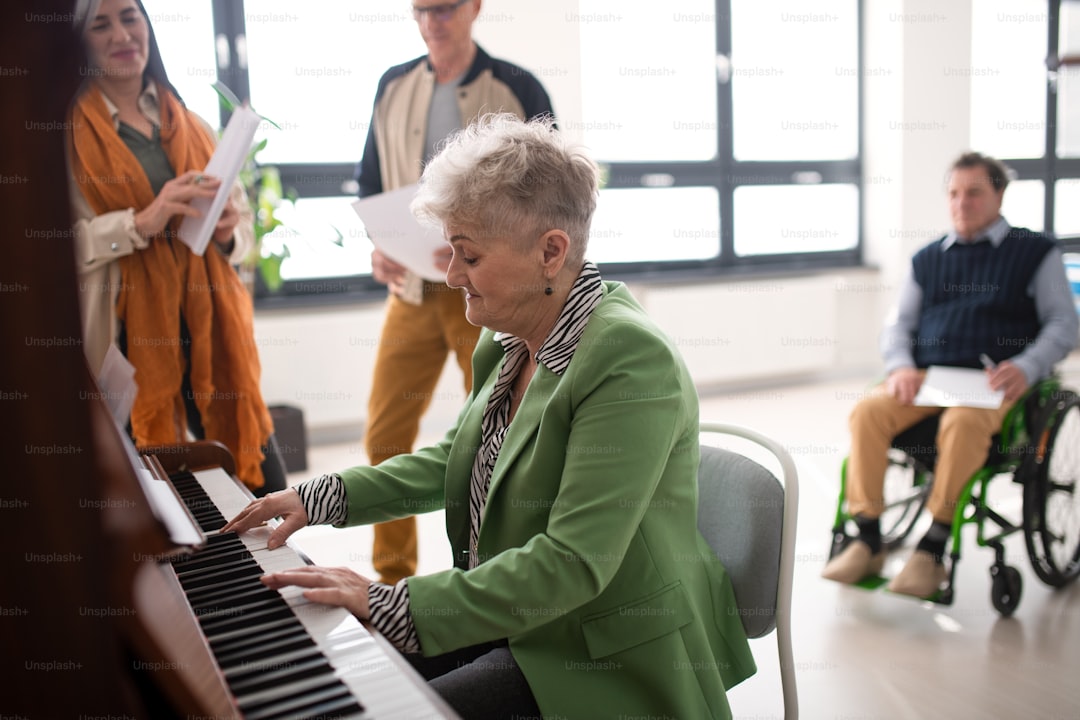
<point x="921" y="577"/>
<point x="854" y="563"/>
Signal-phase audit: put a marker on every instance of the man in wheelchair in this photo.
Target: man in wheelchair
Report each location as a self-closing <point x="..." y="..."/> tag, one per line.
<point x="986" y="290"/>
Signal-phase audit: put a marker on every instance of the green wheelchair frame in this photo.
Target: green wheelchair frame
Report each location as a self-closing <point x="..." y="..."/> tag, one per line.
<point x="1045" y="420"/>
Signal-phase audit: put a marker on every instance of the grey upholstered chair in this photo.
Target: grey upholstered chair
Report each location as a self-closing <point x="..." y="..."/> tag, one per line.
<point x="748" y="518"/>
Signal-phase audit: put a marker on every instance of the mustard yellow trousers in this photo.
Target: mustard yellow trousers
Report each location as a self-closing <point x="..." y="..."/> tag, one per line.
<point x="412" y="350"/>
<point x="963" y="443"/>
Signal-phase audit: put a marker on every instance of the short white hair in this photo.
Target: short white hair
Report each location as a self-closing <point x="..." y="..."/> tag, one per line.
<point x="511" y="177"/>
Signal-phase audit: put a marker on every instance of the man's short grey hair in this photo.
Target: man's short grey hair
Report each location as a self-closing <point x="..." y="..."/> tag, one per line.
<point x="996" y="170"/>
<point x="512" y="178"/>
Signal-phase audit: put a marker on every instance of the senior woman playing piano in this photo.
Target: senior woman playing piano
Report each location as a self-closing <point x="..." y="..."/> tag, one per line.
<point x="580" y="586"/>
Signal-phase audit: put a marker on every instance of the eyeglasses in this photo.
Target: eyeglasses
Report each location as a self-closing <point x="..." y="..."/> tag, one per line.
<point x="437" y="12"/>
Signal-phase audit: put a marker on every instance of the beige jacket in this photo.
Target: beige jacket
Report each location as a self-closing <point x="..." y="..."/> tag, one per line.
<point x="394" y="152"/>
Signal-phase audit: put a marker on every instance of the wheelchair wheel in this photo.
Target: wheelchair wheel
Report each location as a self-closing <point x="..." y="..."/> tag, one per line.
<point x="907" y="485"/>
<point x="1005" y="589"/>
<point x="1052" y="498"/>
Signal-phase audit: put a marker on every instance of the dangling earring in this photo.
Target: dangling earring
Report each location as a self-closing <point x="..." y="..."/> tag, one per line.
<point x="548" y="290"/>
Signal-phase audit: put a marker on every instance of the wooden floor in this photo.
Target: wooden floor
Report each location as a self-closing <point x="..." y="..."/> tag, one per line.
<point x="860" y="655"/>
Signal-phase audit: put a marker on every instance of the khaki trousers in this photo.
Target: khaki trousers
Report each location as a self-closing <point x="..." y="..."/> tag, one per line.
<point x="413" y="345"/>
<point x="963" y="443"/>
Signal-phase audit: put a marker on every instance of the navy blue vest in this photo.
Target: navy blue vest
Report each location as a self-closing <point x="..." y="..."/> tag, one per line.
<point x="975" y="299"/>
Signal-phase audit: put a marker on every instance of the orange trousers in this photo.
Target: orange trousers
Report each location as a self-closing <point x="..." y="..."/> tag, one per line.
<point x="963" y="443"/>
<point x="413" y="346"/>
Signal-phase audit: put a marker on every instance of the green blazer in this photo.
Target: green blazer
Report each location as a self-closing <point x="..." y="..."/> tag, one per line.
<point x="591" y="564"/>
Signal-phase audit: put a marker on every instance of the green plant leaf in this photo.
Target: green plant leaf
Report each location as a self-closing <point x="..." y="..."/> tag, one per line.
<point x="270" y="267"/>
<point x="340" y="239"/>
<point x="605" y="174"/>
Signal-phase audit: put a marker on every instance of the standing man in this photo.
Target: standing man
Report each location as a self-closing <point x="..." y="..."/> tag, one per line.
<point x="984" y="290"/>
<point x="417" y="105"/>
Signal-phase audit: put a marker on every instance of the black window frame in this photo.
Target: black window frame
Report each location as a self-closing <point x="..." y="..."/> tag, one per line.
<point x="723" y="173"/>
<point x="1050" y="168"/>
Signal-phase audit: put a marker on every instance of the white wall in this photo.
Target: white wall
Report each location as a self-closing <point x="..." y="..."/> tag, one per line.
<point x="733" y="333"/>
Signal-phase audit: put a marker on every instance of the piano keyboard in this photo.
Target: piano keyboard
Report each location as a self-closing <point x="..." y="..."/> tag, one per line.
<point x="282" y="656"/>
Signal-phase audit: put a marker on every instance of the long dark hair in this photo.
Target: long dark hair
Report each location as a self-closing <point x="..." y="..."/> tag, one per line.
<point x="155" y="66"/>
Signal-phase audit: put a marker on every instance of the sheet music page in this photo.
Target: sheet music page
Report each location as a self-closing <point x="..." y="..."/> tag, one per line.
<point x="163" y="502"/>
<point x="393" y="229"/>
<point x="117" y="384"/>
<point x="957" y="387"/>
<point x="229" y="156"/>
<point x="169" y="511"/>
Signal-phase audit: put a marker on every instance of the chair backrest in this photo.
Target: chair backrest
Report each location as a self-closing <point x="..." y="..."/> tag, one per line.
<point x="748" y="518"/>
<point x="741" y="515"/>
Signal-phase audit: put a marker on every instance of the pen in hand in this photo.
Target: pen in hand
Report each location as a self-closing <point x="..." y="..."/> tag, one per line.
<point x="986" y="361"/>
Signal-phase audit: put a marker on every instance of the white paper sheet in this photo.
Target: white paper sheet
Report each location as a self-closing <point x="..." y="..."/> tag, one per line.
<point x="229" y="156"/>
<point x="394" y="230"/>
<point x="957" y="387"/>
<point x="163" y="502"/>
<point x="169" y="510"/>
<point x="117" y="384"/>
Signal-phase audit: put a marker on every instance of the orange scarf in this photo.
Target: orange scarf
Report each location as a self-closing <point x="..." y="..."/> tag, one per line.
<point x="166" y="280"/>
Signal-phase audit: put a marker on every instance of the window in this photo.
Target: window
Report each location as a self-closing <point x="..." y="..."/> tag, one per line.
<point x="708" y="116"/>
<point x="315" y="76"/>
<point x="1008" y="77"/>
<point x="183" y="36"/>
<point x="316" y="68"/>
<point x="1017" y="95"/>
<point x="708" y="127"/>
<point x="1066" y="80"/>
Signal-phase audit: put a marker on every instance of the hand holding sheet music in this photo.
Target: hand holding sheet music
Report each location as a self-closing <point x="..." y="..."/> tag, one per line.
<point x="391" y="227"/>
<point x="225" y="164"/>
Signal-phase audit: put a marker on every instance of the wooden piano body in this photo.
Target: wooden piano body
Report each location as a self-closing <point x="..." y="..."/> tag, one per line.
<point x="260" y="653"/>
<point x="91" y="622"/>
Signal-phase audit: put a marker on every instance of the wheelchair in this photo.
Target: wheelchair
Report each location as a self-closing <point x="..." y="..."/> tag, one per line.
<point x="1039" y="445"/>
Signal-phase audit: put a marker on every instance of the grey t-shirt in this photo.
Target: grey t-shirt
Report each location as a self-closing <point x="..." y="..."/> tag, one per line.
<point x="444" y="116"/>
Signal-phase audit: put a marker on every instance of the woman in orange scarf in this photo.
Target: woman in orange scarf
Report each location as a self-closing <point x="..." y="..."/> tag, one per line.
<point x="183" y="320"/>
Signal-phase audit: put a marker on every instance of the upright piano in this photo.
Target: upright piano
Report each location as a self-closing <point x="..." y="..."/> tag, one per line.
<point x="96" y="621"/>
<point x="250" y="651"/>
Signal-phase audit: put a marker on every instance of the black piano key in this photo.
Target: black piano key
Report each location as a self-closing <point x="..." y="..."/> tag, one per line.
<point x="198" y="502"/>
<point x="211" y="577"/>
<point x="227" y="565"/>
<point x="215" y="547"/>
<point x="339" y="706"/>
<point x="333" y="703"/>
<point x="281" y="684"/>
<point x="242" y="645"/>
<point x="228" y="539"/>
<point x="294" y="700"/>
<point x="214" y="618"/>
<point x="270" y="624"/>
<point x="342" y="705"/>
<point x="265" y="649"/>
<point x="311" y="663"/>
<point x="242" y="599"/>
<point x="225" y="589"/>
<point x="209" y="558"/>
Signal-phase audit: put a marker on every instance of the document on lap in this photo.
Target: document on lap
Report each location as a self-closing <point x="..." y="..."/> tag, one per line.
<point x="229" y="156"/>
<point x="957" y="387"/>
<point x="395" y="231"/>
